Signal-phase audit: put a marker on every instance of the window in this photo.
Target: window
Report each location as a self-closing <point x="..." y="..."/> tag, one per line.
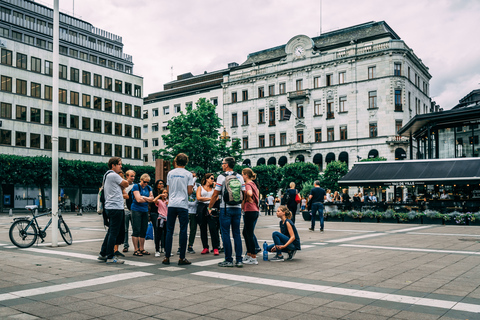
<point x="128" y="130"/>
<point x="137" y="112"/>
<point x="145" y="143"/>
<point x="271" y="140"/>
<point x="35" y="90"/>
<point x="6" y="110"/>
<point x="97" y="125"/>
<point x="155" y="127"/>
<point x="300" y="136"/>
<point x="145" y="157"/>
<point x="111" y="64"/>
<point x="166" y="110"/>
<point x="398" y="125"/>
<point x="155" y="142"/>
<point x="128" y="152"/>
<point x="282" y="112"/>
<point x="107" y="127"/>
<point x="62" y="144"/>
<point x="73" y="145"/>
<point x="21" y="87"/>
<point x="271" y="116"/>
<point x="6" y="57"/>
<point x="342" y="77"/>
<point x="245" y="118"/>
<point x="29" y="40"/>
<point x="342" y="104"/>
<point x="330" y="111"/>
<point x="73" y="53"/>
<point x="108" y="105"/>
<point x="234" y="120"/>
<point x="107" y="149"/>
<point x="118" y="86"/>
<point x="128" y="88"/>
<point x="188" y="105"/>
<point x="21" y="113"/>
<point x="86" y="76"/>
<point x="128" y="109"/>
<point x="74" y="98"/>
<point x="281" y="88"/>
<point x="397" y="69"/>
<point x="343" y="133"/>
<point x="47" y="117"/>
<point x="283" y="139"/>
<point x="36" y="65"/>
<point x="244" y="95"/>
<point x="42" y="43"/>
<point x="86" y="146"/>
<point x="102" y="61"/>
<point x="371" y="72"/>
<point x="48" y="93"/>
<point x="85" y="124"/>
<point x="372" y="100"/>
<point x="97" y="148"/>
<point x="62" y="120"/>
<point x="261" y="141"/>
<point x="108" y="83"/>
<point x="6" y="137"/>
<point x="245" y="143"/>
<point x="177" y="108"/>
<point x="47" y="142"/>
<point x="408" y="73"/>
<point x="261" y="92"/>
<point x="329" y="80"/>
<point x="97" y="103"/>
<point x="271" y="90"/>
<point x="155" y="112"/>
<point x="62" y="71"/>
<point x="118" y="129"/>
<point x="137" y="132"/>
<point x="62" y="95"/>
<point x="35" y="115"/>
<point x="372" y="128"/>
<point x="317" y="107"/>
<point x="35" y="140"/>
<point x="6" y="84"/>
<point x="97" y="80"/>
<point x="83" y="55"/>
<point x="48" y="68"/>
<point x="318" y="135"/>
<point x="17" y="35"/>
<point x="398" y="100"/>
<point x="299" y="84"/>
<point x="118" y="107"/>
<point x="261" y="116"/>
<point x="20" y="139"/>
<point x="137" y="91"/>
<point x="316" y="82"/>
<point x="74" y="122"/>
<point x="300" y="111"/>
<point x="86" y="100"/>
<point x="330" y="134"/>
<point x="21" y="61"/>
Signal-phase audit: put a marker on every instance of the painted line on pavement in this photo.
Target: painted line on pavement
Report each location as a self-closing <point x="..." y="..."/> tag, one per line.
<point x="409" y="229"/>
<point x="72" y="285"/>
<point x="84" y="256"/>
<point x="320" y="243"/>
<point x="307" y="246"/>
<point x="437" y="303"/>
<point x="356" y="238"/>
<point x="207" y="262"/>
<point x="445" y="234"/>
<point x="410" y="249"/>
<point x="49" y="244"/>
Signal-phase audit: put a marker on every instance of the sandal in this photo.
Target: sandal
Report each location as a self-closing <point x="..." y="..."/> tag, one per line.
<point x="137" y="253"/>
<point x="145" y="252"/>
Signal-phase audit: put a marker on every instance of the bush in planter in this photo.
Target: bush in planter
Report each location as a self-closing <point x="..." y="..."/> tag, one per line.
<point x="458" y="217"/>
<point x="412" y="215"/>
<point x="388" y="214"/>
<point x="355" y="214"/>
<point x="401" y="216"/>
<point x="432" y="214"/>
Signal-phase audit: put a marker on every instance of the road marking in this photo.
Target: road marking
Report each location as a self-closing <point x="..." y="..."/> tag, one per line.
<point x="445" y="234"/>
<point x="49" y="244"/>
<point x="437" y="303"/>
<point x="409" y="229"/>
<point x="171" y="268"/>
<point x="410" y="249"/>
<point x="356" y="238"/>
<point x="72" y="285"/>
<point x="207" y="262"/>
<point x="307" y="246"/>
<point x="320" y="243"/>
<point x="84" y="256"/>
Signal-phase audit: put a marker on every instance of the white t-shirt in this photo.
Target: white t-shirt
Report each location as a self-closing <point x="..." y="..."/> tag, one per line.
<point x="113" y="191"/>
<point x="178" y="181"/>
<point x="220" y="184"/>
<point x="270" y="200"/>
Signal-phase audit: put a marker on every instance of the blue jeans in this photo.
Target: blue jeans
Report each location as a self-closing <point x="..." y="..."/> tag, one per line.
<point x="116" y="218"/>
<point x="317" y="206"/>
<point x="279" y="239"/>
<point x="172" y="215"/>
<point x="232" y="218"/>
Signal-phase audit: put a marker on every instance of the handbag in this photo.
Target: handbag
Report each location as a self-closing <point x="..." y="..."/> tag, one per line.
<point x="149" y="235"/>
<point x="298" y="199"/>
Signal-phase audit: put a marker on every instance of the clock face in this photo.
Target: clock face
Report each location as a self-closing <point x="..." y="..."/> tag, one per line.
<point x="299" y="51"/>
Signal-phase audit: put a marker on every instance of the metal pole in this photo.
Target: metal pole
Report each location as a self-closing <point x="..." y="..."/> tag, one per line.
<point x="56" y="58"/>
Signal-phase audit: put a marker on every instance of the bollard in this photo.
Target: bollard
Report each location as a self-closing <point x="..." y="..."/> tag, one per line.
<point x="80" y="212"/>
<point x="10" y="213"/>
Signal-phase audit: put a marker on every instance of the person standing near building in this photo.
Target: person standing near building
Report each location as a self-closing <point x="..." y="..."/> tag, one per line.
<point x="270" y="204"/>
<point x="230" y="185"/>
<point x="292" y="204"/>
<point x="372" y="198"/>
<point x="130" y="174"/>
<point x="142" y="195"/>
<point x="317" y="197"/>
<point x="192" y="214"/>
<point x="113" y="190"/>
<point x="250" y="208"/>
<point x="179" y="187"/>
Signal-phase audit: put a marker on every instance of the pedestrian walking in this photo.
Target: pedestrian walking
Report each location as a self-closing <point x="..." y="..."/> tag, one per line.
<point x="142" y="195"/>
<point x="160" y="224"/>
<point x="291" y="203"/>
<point x="155" y="210"/>
<point x="251" y="210"/>
<point x="316" y="198"/>
<point x="204" y="195"/>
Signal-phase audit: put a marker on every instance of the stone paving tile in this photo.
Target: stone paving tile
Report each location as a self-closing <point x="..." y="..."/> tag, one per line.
<point x="202" y="309"/>
<point x="417" y="315"/>
<point x="227" y="314"/>
<point x="151" y="310"/>
<point x="23" y="316"/>
<point x="329" y="312"/>
<point x="376" y="310"/>
<point x="82" y="305"/>
<point x="249" y="308"/>
<point x="100" y="311"/>
<point x="176" y="314"/>
<point x="260" y="317"/>
<point x="125" y="315"/>
<point x="5" y="311"/>
<point x="72" y="316"/>
<point x="344" y="305"/>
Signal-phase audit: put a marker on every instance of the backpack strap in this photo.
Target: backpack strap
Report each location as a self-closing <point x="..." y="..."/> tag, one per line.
<point x="105" y="177"/>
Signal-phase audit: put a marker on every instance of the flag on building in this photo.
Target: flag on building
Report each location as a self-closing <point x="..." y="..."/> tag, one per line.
<point x="287" y="114"/>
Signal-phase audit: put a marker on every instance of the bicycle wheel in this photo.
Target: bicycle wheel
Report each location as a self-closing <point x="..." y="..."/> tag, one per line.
<point x="65" y="231"/>
<point x="21" y="236"/>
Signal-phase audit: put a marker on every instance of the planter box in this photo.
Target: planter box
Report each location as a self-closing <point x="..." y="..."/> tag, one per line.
<point x="427" y="220"/>
<point x="368" y="219"/>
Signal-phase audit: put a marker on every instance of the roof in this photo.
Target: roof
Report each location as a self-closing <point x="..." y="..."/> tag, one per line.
<point x="414" y="172"/>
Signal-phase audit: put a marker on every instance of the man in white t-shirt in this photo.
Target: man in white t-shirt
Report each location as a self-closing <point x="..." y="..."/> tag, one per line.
<point x="230" y="216"/>
<point x="179" y="187"/>
<point x="270" y="203"/>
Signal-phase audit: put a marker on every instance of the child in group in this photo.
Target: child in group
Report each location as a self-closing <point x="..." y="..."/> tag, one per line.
<point x="161" y="224"/>
<point x="304" y="203"/>
<point x="287" y="240"/>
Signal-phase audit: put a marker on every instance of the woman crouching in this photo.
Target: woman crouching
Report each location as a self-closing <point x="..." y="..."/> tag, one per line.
<point x="287" y="240"/>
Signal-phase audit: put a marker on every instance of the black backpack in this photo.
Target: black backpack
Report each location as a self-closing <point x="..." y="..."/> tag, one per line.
<point x="129" y="201"/>
<point x="286" y="197"/>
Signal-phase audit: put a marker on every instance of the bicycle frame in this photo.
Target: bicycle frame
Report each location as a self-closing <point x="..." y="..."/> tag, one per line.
<point x="41" y="233"/>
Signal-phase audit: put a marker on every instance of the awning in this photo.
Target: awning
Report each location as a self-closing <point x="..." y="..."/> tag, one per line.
<point x="414" y="172"/>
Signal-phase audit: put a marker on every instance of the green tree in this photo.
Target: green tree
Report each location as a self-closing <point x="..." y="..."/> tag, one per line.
<point x="299" y="173"/>
<point x="333" y="172"/>
<point x="268" y="178"/>
<point x="196" y="133"/>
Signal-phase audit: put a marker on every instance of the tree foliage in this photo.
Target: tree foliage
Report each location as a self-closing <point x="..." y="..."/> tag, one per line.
<point x="196" y="133"/>
<point x="333" y="172"/>
<point x="268" y="178"/>
<point x="299" y="173"/>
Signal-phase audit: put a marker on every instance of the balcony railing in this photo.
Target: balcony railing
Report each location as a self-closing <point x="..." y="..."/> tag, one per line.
<point x="299" y="94"/>
<point x="330" y="115"/>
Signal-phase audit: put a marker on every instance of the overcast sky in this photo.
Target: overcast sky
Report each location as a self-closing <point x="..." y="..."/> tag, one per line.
<point x="205" y="35"/>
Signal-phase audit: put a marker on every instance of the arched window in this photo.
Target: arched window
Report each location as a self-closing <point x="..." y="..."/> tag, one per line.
<point x="272" y="160"/>
<point x="330" y="157"/>
<point x="318" y="160"/>
<point x="247" y="163"/>
<point x="282" y="161"/>
<point x="373" y="153"/>
<point x="400" y="154"/>
<point x="343" y="156"/>
<point x="260" y="161"/>
<point x="300" y="158"/>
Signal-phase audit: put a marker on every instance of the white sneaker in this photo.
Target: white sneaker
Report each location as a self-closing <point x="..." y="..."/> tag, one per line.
<point x="250" y="260"/>
<point x="157" y="254"/>
<point x="247" y="257"/>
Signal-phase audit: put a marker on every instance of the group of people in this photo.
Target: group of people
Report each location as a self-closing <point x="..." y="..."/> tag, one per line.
<point x="215" y="205"/>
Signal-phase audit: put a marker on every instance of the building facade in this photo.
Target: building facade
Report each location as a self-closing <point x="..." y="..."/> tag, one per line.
<point x="349" y="92"/>
<point x="100" y="99"/>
